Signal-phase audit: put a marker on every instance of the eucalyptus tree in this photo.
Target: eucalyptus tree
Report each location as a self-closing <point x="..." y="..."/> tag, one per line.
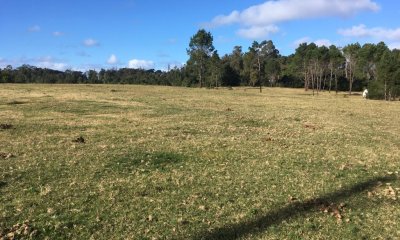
<point x="200" y="50"/>
<point x="272" y="64"/>
<point x="322" y="67"/>
<point x="249" y="73"/>
<point x="272" y="70"/>
<point x="351" y="53"/>
<point x="235" y="60"/>
<point x="7" y="74"/>
<point x="385" y="67"/>
<point x="260" y="54"/>
<point x="215" y="69"/>
<point x="92" y="76"/>
<point x="388" y="84"/>
<point x="336" y="61"/>
<point x="367" y="61"/>
<point x="301" y="60"/>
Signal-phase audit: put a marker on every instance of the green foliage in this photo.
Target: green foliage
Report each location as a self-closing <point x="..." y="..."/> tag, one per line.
<point x="376" y="90"/>
<point x="318" y="68"/>
<point x="351" y="53"/>
<point x="200" y="50"/>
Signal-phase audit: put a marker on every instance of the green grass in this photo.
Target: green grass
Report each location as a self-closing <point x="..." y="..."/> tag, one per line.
<point x="182" y="163"/>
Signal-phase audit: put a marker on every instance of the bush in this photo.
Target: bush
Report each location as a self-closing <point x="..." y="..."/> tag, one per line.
<point x="376" y="90"/>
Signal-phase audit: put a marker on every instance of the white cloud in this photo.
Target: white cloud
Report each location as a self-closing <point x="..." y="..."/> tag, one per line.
<point x="141" y="64"/>
<point x="3" y="62"/>
<point x="297" y="42"/>
<point x="51" y="65"/>
<point x="318" y="42"/>
<point x="272" y="12"/>
<point x="42" y="62"/>
<point x="226" y="20"/>
<point x="395" y="45"/>
<point x="171" y="65"/>
<point x="112" y="59"/>
<point x="323" y="42"/>
<point x="90" y="42"/>
<point x="257" y="32"/>
<point x="260" y="20"/>
<point x="380" y="33"/>
<point x="49" y="62"/>
<point x="35" y="28"/>
<point x="58" y="34"/>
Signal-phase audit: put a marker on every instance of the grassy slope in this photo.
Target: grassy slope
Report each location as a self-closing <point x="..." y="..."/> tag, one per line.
<point x="178" y="163"/>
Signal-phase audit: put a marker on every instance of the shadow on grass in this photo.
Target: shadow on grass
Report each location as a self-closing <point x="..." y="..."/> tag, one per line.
<point x="260" y="224"/>
<point x="2" y="184"/>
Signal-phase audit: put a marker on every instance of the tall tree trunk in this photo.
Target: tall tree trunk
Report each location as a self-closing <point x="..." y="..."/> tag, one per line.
<point x="385" y="91"/>
<point x="201" y="71"/>
<point x="305" y="77"/>
<point x="259" y="73"/>
<point x="336" y="83"/>
<point x="330" y="80"/>
<point x="313" y="83"/>
<point x="201" y="76"/>
<point x="351" y="76"/>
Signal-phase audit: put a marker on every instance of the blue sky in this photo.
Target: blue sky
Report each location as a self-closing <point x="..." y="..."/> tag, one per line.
<point x="88" y="34"/>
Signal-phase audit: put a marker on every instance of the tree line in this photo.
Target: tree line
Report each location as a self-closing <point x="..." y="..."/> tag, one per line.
<point x="314" y="68"/>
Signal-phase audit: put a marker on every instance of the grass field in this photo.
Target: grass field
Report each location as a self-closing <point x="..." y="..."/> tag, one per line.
<point x="145" y="162"/>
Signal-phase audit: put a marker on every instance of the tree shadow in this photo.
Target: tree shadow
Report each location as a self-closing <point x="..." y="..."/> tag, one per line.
<point x="259" y="225"/>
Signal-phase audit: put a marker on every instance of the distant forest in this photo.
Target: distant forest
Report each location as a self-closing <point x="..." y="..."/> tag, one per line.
<point x="314" y="68"/>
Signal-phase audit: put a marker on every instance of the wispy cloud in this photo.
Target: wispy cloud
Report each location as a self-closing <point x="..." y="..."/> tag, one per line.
<point x="42" y="62"/>
<point x="261" y="19"/>
<point x="3" y="62"/>
<point x="323" y="42"/>
<point x="380" y="33"/>
<point x="318" y="42"/>
<point x="170" y="65"/>
<point x="90" y="42"/>
<point x="58" y="34"/>
<point x="112" y="59"/>
<point x="299" y="41"/>
<point x="395" y="45"/>
<point x="50" y="62"/>
<point x="88" y="66"/>
<point x="140" y="64"/>
<point x="34" y="28"/>
<point x="257" y="32"/>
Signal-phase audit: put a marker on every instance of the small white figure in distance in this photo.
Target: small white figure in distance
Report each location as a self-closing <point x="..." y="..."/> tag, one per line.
<point x="365" y="94"/>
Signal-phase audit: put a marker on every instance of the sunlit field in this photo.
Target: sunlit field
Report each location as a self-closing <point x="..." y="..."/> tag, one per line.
<point x="147" y="162"/>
